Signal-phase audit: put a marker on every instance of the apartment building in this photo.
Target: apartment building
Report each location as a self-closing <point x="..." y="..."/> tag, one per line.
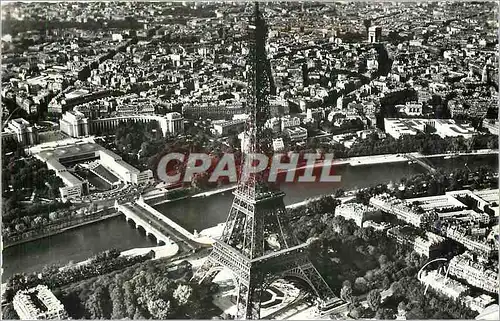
<point x="476" y="274"/>
<point x="75" y="124"/>
<point x="476" y="245"/>
<point x="429" y="245"/>
<point x="224" y="128"/>
<point x="38" y="303"/>
<point x="447" y="286"/>
<point x="402" y="210"/>
<point x="354" y="211"/>
<point x="397" y="127"/>
<point x="296" y="134"/>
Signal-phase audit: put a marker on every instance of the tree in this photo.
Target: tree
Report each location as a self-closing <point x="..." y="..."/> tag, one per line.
<point x="415" y="313"/>
<point x="367" y="23"/>
<point x="401" y="307"/>
<point x="369" y="276"/>
<point x="8" y="313"/>
<point x="92" y="207"/>
<point x="234" y="141"/>
<point x="183" y="293"/>
<point x="397" y="289"/>
<point x="159" y="308"/>
<point x="374" y="299"/>
<point x="347" y="283"/>
<point x="49" y="270"/>
<point x="357" y="313"/>
<point x="15" y="283"/>
<point x="339" y="193"/>
<point x="73" y="305"/>
<point x="99" y="304"/>
<point x="130" y="299"/>
<point x="138" y="315"/>
<point x="384" y="314"/>
<point x="116" y="296"/>
<point x="382" y="260"/>
<point x="386" y="282"/>
<point x="360" y="285"/>
<point x="441" y="315"/>
<point x="346" y="293"/>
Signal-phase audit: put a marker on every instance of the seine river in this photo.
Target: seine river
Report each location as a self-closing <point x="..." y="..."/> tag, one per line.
<point x="199" y="213"/>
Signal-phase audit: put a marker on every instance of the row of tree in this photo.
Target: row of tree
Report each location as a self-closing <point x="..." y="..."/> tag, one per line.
<point x="431" y="305"/>
<point x="427" y="184"/>
<point x="425" y="143"/>
<point x="18" y="218"/>
<point x="22" y="216"/>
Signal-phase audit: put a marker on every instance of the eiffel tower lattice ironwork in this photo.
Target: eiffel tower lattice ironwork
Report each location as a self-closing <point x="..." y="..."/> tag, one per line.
<point x="257" y="244"/>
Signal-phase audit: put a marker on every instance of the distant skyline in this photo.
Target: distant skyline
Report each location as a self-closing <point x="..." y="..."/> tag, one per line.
<point x="201" y="1"/>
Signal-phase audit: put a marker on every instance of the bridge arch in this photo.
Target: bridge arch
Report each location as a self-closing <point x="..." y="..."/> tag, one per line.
<point x="215" y="270"/>
<point x="295" y="274"/>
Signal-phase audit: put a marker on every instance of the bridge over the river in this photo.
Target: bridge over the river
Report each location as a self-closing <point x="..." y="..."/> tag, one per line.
<point x="144" y="222"/>
<point x="421" y="161"/>
<point x="158" y="225"/>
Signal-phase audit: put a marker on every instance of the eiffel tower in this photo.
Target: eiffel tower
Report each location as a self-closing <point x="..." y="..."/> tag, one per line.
<point x="257" y="244"/>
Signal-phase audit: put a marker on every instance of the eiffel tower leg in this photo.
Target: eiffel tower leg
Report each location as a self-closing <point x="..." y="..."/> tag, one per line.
<point x="207" y="272"/>
<point x="302" y="268"/>
<point x="243" y="302"/>
<point x="249" y="296"/>
<point x="316" y="281"/>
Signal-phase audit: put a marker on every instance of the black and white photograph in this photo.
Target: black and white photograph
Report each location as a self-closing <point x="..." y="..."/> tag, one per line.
<point x="290" y="160"/>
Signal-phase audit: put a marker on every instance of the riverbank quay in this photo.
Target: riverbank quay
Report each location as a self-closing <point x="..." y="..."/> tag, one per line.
<point x="394" y="158"/>
<point x="161" y="195"/>
<point x="161" y="251"/>
<point x="76" y="222"/>
<point x="397" y="158"/>
<point x="59" y="227"/>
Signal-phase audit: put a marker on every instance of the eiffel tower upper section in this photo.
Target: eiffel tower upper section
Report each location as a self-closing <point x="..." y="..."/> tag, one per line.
<point x="260" y="86"/>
